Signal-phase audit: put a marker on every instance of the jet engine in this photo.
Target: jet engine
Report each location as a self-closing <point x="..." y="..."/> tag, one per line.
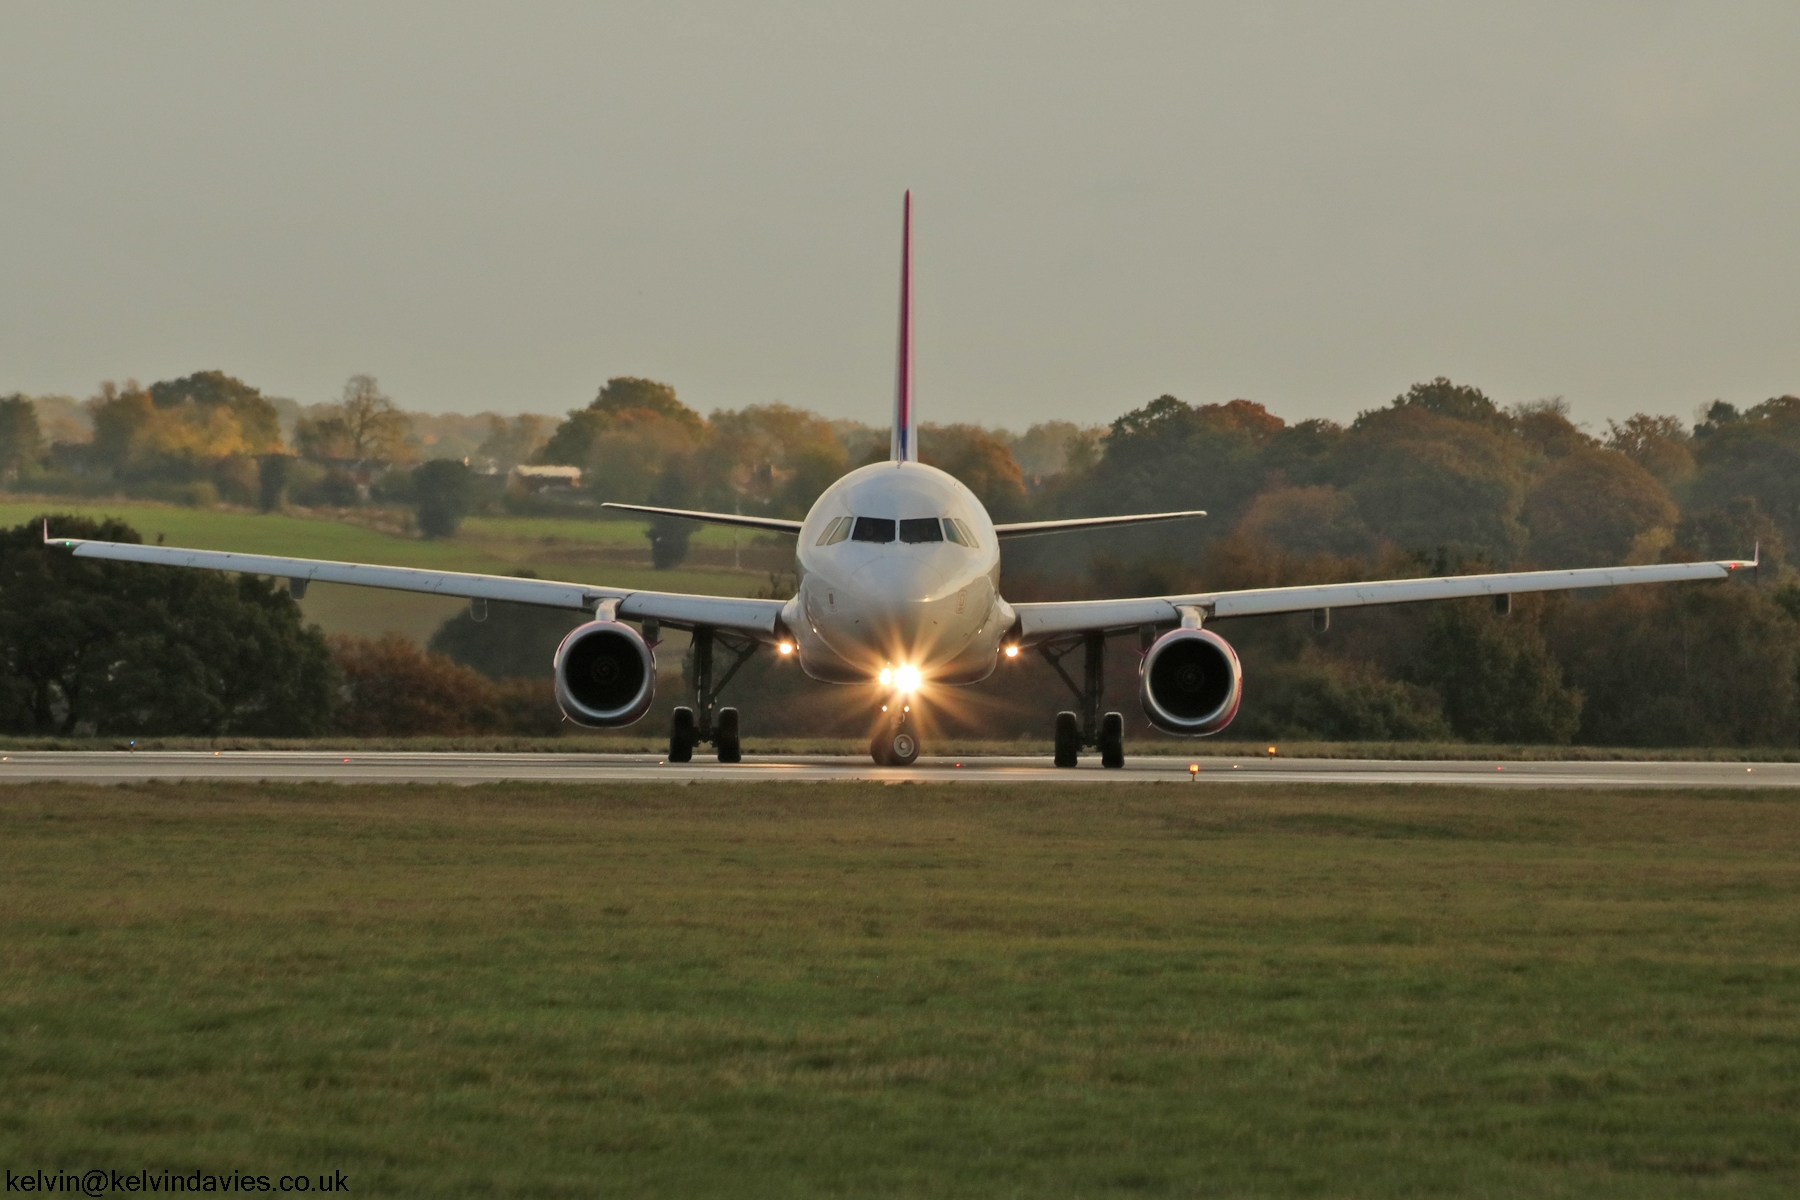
<point x="1191" y="682"/>
<point x="605" y="674"/>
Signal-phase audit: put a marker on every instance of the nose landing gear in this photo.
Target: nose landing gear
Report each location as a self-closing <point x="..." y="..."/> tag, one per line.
<point x="895" y="742"/>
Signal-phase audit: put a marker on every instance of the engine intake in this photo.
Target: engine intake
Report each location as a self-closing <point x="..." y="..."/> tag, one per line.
<point x="605" y="674"/>
<point x="1191" y="682"/>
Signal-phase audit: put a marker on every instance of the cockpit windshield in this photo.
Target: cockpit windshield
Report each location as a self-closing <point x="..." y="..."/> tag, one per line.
<point x="912" y="530"/>
<point x="873" y="529"/>
<point x="921" y="529"/>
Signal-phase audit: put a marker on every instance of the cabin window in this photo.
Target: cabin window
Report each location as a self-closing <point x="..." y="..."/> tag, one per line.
<point x="873" y="529"/>
<point x="837" y="531"/>
<point x="921" y="529"/>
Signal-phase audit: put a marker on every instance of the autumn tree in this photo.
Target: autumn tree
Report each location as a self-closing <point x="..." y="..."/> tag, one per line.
<point x="1169" y="454"/>
<point x="1423" y="479"/>
<point x="392" y="688"/>
<point x="258" y="423"/>
<point x="1307" y="521"/>
<point x="1756" y="455"/>
<point x="625" y="439"/>
<point x="1051" y="447"/>
<point x="1545" y="428"/>
<point x="1657" y="444"/>
<point x="1597" y="508"/>
<point x="364" y="426"/>
<point x="21" y="441"/>
<point x="771" y="458"/>
<point x="1453" y="400"/>
<point x="177" y="428"/>
<point x="981" y="461"/>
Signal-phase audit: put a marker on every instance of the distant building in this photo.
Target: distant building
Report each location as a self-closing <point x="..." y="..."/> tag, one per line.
<point x="530" y="480"/>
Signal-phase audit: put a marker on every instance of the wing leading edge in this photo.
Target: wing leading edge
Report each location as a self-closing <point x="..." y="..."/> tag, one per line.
<point x="1047" y="620"/>
<point x="1034" y="528"/>
<point x="758" y="618"/>
<point x="773" y="524"/>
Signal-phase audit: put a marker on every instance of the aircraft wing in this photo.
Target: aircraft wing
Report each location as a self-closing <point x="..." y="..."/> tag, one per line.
<point x="773" y="524"/>
<point x="755" y="617"/>
<point x="1033" y="528"/>
<point x="1039" y="622"/>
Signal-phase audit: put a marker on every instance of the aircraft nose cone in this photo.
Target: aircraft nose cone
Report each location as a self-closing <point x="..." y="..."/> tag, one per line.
<point x="897" y="582"/>
<point x="896" y="599"/>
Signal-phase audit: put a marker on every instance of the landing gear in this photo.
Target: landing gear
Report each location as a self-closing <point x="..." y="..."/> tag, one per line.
<point x="692" y="726"/>
<point x="725" y="737"/>
<point x="1068" y="739"/>
<point x="1112" y="740"/>
<point x="683" y="736"/>
<point x="1105" y="732"/>
<point x="895" y="743"/>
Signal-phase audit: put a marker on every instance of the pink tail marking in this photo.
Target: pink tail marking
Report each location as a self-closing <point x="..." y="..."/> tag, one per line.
<point x="901" y="446"/>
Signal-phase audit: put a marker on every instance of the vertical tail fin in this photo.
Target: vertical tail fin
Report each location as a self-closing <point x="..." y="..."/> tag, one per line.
<point x="903" y="445"/>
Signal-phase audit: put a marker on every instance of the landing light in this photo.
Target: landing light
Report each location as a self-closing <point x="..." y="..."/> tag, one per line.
<point x="886" y="677"/>
<point x="1012" y="652"/>
<point x="907" y="679"/>
<point x="785" y="647"/>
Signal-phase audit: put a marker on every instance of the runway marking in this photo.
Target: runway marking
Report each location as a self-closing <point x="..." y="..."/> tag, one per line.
<point x="466" y="768"/>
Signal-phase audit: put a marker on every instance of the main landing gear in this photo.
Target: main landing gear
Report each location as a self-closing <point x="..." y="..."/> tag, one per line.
<point x="693" y="726"/>
<point x="895" y="742"/>
<point x="1103" y="731"/>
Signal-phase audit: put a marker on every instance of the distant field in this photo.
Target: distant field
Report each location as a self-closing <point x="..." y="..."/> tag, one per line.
<point x="906" y="990"/>
<point x="556" y="549"/>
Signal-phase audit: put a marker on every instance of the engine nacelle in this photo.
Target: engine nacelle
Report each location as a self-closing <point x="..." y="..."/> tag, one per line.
<point x="605" y="674"/>
<point x="1191" y="682"/>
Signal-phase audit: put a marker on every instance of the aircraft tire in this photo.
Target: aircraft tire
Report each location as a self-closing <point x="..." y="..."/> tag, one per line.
<point x="1112" y="740"/>
<point x="682" y="736"/>
<point x="1068" y="739"/>
<point x="725" y="737"/>
<point x="902" y="746"/>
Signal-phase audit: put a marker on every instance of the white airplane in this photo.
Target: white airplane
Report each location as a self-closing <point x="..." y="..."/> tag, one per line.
<point x="899" y="586"/>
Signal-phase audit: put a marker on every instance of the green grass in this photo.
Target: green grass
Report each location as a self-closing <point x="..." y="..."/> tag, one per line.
<point x="608" y="532"/>
<point x="908" y="990"/>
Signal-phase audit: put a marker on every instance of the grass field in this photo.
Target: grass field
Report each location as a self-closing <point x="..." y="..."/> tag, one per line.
<point x="603" y="552"/>
<point x="908" y="990"/>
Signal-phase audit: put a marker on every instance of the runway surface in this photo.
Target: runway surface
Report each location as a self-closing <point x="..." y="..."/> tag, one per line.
<point x="403" y="767"/>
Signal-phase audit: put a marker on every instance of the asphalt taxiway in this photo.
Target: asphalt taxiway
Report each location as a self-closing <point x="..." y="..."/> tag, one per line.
<point x="472" y="768"/>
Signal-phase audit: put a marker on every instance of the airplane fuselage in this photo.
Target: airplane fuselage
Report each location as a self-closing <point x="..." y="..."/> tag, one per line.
<point x="898" y="567"/>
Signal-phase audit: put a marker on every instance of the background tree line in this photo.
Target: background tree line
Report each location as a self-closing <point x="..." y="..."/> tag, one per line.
<point x="1439" y="480"/>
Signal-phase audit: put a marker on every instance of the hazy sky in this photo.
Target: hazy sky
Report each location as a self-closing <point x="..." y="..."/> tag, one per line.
<point x="500" y="205"/>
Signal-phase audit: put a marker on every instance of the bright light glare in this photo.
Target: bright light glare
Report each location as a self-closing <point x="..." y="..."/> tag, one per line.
<point x="786" y="647"/>
<point x="906" y="679"/>
<point x="886" y="677"/>
<point x="1012" y="652"/>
